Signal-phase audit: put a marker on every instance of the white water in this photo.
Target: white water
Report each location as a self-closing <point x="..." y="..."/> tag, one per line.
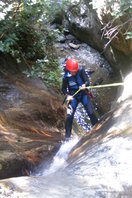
<point x="59" y="160"/>
<point x="127" y="88"/>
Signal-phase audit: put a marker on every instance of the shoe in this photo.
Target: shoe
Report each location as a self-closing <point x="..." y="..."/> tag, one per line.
<point x="67" y="139"/>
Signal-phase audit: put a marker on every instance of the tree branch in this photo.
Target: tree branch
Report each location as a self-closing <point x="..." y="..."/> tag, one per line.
<point x="111" y="33"/>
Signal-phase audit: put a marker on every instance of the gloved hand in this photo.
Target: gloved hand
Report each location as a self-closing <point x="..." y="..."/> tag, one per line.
<point x="69" y="98"/>
<point x="83" y="87"/>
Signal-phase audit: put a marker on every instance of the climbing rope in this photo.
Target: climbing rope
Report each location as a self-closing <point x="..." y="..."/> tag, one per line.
<point x="107" y="85"/>
<point x="98" y="86"/>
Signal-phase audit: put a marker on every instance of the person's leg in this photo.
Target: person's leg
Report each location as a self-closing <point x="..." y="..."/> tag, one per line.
<point x="89" y="109"/>
<point x="69" y="117"/>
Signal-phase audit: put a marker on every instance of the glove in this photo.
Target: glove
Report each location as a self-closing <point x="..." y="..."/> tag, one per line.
<point x="83" y="87"/>
<point x="69" y="98"/>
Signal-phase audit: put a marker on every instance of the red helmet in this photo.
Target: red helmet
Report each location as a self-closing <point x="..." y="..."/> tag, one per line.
<point x="72" y="65"/>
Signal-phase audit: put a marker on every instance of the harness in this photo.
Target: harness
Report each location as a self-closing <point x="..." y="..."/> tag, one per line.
<point x="74" y="82"/>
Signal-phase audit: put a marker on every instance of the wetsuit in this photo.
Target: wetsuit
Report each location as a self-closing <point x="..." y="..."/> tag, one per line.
<point x="69" y="86"/>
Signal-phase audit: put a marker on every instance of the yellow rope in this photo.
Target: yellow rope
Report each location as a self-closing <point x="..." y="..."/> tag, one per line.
<point x="107" y="85"/>
<point x="98" y="86"/>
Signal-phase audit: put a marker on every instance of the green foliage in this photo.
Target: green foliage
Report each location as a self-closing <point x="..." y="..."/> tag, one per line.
<point x="49" y="70"/>
<point x="129" y="35"/>
<point x="24" y="35"/>
<point x="124" y="6"/>
<point x="17" y="33"/>
<point x="53" y="7"/>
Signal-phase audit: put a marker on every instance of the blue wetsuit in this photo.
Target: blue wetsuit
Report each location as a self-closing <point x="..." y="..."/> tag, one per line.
<point x="69" y="86"/>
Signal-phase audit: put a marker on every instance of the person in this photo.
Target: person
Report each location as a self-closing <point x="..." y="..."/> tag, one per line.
<point x="76" y="78"/>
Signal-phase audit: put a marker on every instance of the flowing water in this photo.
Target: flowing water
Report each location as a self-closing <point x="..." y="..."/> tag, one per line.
<point x="102" y="171"/>
<point x="59" y="160"/>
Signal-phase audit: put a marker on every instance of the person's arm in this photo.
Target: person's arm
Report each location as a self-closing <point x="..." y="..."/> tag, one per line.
<point x="64" y="86"/>
<point x="65" y="91"/>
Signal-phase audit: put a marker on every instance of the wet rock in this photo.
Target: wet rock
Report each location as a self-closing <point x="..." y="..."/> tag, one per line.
<point x="73" y="46"/>
<point x="61" y="39"/>
<point x="99" y="165"/>
<point x="31" y="122"/>
<point x="70" y="37"/>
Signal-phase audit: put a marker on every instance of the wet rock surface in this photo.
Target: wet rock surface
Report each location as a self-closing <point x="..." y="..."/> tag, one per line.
<point x="31" y="123"/>
<point x="98" y="166"/>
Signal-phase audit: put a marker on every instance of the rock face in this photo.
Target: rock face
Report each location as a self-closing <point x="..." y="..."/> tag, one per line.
<point x="85" y="24"/>
<point x="31" y="121"/>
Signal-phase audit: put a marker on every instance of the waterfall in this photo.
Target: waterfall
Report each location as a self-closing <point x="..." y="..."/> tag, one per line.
<point x="59" y="160"/>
